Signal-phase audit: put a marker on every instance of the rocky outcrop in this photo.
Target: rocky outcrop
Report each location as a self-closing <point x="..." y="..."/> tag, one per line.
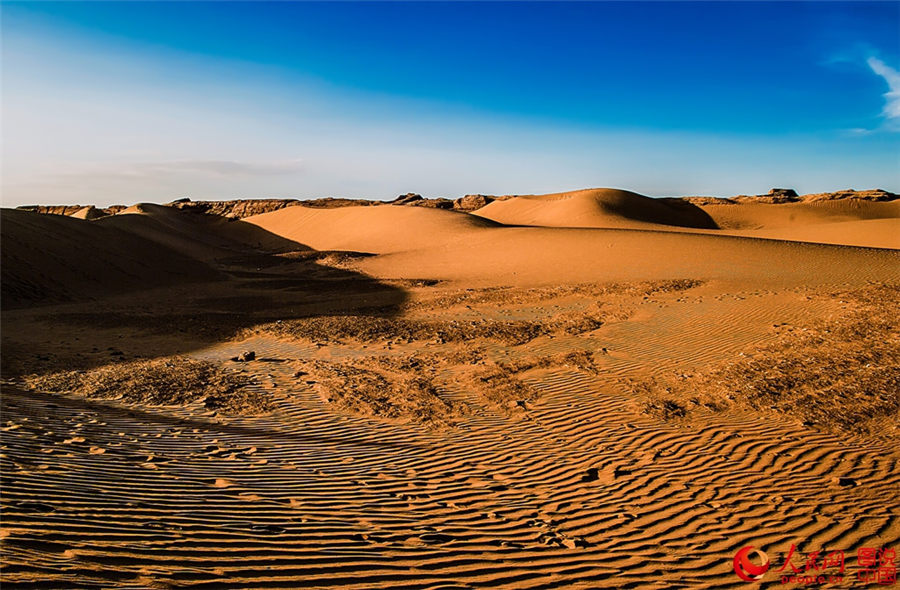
<point x="776" y="195"/>
<point x="466" y="203"/>
<point x="417" y="200"/>
<point x="237" y="209"/>
<point x="71" y="210"/>
<point x="52" y="209"/>
<point x="870" y="195"/>
<point x="707" y="200"/>
<point x="241" y="208"/>
<point x="786" y="195"/>
<point x="407" y="199"/>
<point x="437" y="203"/>
<point x="472" y="202"/>
<point x="334" y="203"/>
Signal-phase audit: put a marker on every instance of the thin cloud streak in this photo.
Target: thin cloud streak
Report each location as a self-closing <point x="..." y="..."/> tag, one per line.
<point x="892" y="97"/>
<point x="226" y="168"/>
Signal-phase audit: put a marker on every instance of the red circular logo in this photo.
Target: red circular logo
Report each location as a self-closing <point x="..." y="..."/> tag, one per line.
<point x="746" y="569"/>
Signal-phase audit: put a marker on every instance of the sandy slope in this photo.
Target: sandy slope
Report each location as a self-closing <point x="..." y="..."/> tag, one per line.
<point x="194" y="234"/>
<point x="89" y="212"/>
<point x="595" y="208"/>
<point x="571" y="485"/>
<point x="435" y="244"/>
<point x="56" y="258"/>
<point x="786" y="215"/>
<point x="371" y="229"/>
<point x="823" y="221"/>
<point x="870" y="233"/>
<point x="533" y="256"/>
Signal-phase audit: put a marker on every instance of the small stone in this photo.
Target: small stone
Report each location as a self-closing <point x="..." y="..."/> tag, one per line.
<point x="246" y="356"/>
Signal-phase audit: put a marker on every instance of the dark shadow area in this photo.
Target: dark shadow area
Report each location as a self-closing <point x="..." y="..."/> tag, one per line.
<point x="662" y="211"/>
<point x="158" y="283"/>
<point x="689" y="214"/>
<point x="13" y="397"/>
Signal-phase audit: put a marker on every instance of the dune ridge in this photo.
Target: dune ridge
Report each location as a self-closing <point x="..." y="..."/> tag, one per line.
<point x="610" y="208"/>
<point x="55" y="258"/>
<point x="408" y="396"/>
<point x="371" y="229"/>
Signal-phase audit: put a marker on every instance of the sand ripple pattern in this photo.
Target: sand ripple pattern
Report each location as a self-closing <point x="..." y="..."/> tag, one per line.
<point x="576" y="491"/>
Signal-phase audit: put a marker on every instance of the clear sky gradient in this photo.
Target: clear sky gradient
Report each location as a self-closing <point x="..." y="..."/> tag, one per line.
<point x="112" y="102"/>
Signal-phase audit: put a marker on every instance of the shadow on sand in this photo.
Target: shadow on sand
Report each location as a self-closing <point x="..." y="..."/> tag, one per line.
<point x="187" y="280"/>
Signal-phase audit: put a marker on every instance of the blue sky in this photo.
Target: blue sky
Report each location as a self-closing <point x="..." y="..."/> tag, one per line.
<point x="121" y="102"/>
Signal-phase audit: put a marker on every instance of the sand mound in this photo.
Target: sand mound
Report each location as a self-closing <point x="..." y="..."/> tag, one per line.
<point x="779" y="215"/>
<point x="371" y="229"/>
<point x="609" y="208"/>
<point x="51" y="258"/>
<point x="200" y="236"/>
<point x="397" y="389"/>
<point x="167" y="381"/>
<point x="753" y="215"/>
<point x="88" y="213"/>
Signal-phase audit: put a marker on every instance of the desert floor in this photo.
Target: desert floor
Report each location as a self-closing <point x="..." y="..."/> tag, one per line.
<point x="442" y="399"/>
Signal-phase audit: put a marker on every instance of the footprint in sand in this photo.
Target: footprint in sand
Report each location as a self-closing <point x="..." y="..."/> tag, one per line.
<point x="222" y="483"/>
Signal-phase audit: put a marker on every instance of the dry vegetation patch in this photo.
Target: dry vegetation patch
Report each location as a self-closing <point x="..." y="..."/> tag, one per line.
<point x="166" y="381"/>
<point x="414" y="388"/>
<point x="841" y="374"/>
<point x="402" y="389"/>
<point x="519" y="296"/>
<point x="368" y="328"/>
<point x="497" y="387"/>
<point x="364" y="328"/>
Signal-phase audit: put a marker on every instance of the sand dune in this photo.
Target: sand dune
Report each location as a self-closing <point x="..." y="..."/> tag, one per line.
<point x="194" y="234"/>
<point x="371" y="229"/>
<point x="869" y="233"/>
<point x="49" y="258"/>
<point x="771" y="216"/>
<point x="602" y="207"/>
<point x="446" y="245"/>
<point x="455" y="409"/>
<point x="89" y="212"/>
<point x="805" y="220"/>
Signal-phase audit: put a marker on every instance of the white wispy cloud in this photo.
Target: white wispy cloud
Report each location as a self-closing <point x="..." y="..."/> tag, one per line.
<point x="220" y="167"/>
<point x="891" y="110"/>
